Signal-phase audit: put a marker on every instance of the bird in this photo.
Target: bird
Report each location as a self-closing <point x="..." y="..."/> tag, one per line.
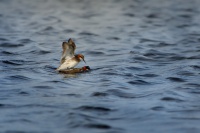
<point x="69" y="59"/>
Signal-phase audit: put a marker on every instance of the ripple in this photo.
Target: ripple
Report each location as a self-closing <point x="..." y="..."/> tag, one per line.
<point x="95" y="53"/>
<point x="186" y="73"/>
<point x="156" y="54"/>
<point x="148" y="75"/>
<point x="193" y="85"/>
<point x="71" y="95"/>
<point x="43" y="87"/>
<point x="153" y="15"/>
<point x="48" y="28"/>
<point x="18" y="121"/>
<point x="18" y="77"/>
<point x="142" y="58"/>
<point x="182" y="26"/>
<point x="138" y="82"/>
<point x="98" y="126"/>
<point x="27" y="40"/>
<point x="186" y="118"/>
<point x="14" y="62"/>
<point x="129" y="14"/>
<point x="120" y="93"/>
<point x="196" y="67"/>
<point x="6" y="105"/>
<point x="157" y="108"/>
<point x="175" y="79"/>
<point x="135" y="68"/>
<point x="10" y="45"/>
<point x="110" y="73"/>
<point x="11" y="63"/>
<point x="68" y="31"/>
<point x="99" y="94"/>
<point x="176" y="58"/>
<point x="169" y="99"/>
<point x="93" y="108"/>
<point x="113" y="38"/>
<point x="161" y="44"/>
<point x="3" y="39"/>
<point x="191" y="88"/>
<point x="144" y="40"/>
<point x="87" y="34"/>
<point x="23" y="93"/>
<point x="40" y="51"/>
<point x="8" y="53"/>
<point x="194" y="57"/>
<point x="185" y="16"/>
<point x="49" y="68"/>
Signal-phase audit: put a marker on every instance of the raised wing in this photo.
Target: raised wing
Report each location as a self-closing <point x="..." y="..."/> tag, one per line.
<point x="68" y="50"/>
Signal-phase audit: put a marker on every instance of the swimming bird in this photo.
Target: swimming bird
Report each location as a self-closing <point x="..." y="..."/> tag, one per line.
<point x="69" y="59"/>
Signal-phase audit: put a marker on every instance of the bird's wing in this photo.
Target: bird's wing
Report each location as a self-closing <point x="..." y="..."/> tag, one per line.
<point x="68" y="50"/>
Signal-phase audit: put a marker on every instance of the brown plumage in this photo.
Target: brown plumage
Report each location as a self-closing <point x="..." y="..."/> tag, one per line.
<point x="68" y="59"/>
<point x="68" y="50"/>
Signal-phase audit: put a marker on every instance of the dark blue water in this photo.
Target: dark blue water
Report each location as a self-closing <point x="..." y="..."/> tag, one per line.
<point x="144" y="55"/>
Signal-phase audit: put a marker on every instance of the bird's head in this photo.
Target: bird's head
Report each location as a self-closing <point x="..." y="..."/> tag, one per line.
<point x="81" y="57"/>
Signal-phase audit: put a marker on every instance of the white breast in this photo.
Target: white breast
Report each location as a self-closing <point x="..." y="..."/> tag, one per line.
<point x="68" y="64"/>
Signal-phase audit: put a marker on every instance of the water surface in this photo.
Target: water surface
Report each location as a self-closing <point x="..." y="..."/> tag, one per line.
<point x="144" y="55"/>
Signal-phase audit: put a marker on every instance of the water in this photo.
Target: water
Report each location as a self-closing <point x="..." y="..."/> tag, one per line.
<point x="144" y="55"/>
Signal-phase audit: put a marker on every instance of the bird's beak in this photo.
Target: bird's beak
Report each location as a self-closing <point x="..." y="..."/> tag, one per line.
<point x="84" y="60"/>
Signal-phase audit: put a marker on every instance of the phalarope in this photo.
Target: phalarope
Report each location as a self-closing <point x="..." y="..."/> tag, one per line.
<point x="68" y="59"/>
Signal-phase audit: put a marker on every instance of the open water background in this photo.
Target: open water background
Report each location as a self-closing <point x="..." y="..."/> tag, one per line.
<point x="145" y="56"/>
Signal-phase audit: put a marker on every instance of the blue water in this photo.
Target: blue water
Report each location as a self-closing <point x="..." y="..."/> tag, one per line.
<point x="144" y="56"/>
